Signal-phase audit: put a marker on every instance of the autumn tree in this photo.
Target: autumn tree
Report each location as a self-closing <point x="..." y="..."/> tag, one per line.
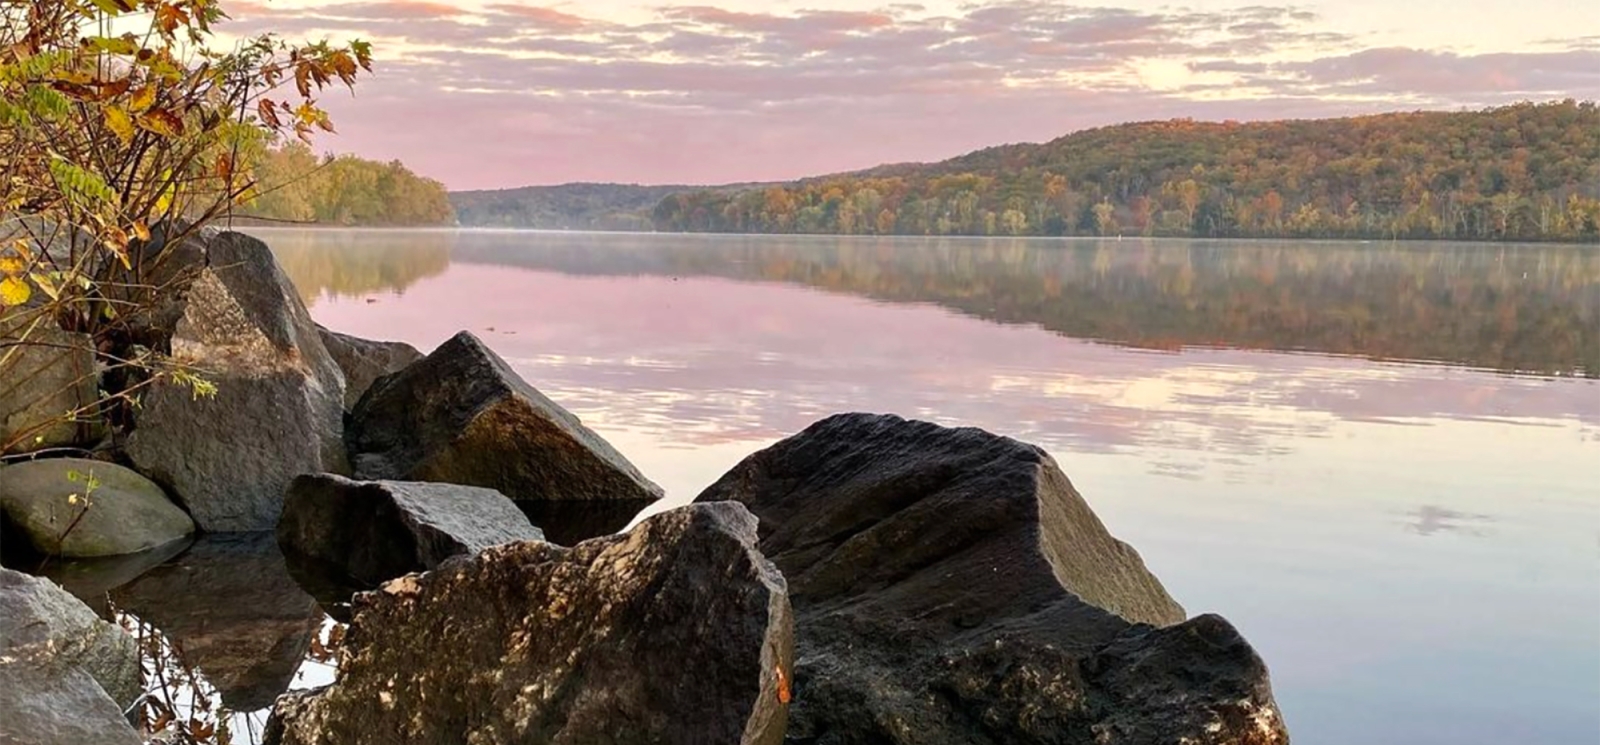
<point x="126" y="130"/>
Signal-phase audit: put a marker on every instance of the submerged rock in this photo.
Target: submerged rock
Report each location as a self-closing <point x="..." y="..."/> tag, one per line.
<point x="951" y="586"/>
<point x="364" y="361"/>
<point x="46" y="375"/>
<point x="42" y="627"/>
<point x="374" y="531"/>
<point x="462" y="416"/>
<point x="85" y="508"/>
<point x="676" y="632"/>
<point x="231" y="606"/>
<point x="278" y="406"/>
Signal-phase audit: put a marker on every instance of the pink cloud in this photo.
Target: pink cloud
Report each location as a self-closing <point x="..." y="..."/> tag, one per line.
<point x="514" y="95"/>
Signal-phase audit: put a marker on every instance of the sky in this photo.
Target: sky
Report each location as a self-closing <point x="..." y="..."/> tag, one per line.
<point x="497" y="94"/>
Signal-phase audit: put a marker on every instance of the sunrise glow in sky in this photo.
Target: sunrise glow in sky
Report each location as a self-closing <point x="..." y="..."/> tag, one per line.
<point x="502" y="94"/>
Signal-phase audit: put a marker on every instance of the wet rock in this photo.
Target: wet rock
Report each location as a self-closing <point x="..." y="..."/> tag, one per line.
<point x="278" y="407"/>
<point x="42" y="627"/>
<point x="374" y="531"/>
<point x="676" y="632"/>
<point x="951" y="586"/>
<point x="231" y="606"/>
<point x="84" y="508"/>
<point x="462" y="416"/>
<point x="58" y="707"/>
<point x="364" y="361"/>
<point x="49" y="383"/>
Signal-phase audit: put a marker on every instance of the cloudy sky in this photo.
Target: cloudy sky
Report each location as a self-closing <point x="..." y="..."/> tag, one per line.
<point x="502" y="94"/>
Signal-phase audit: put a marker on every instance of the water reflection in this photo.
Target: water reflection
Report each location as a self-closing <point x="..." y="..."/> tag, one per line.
<point x="335" y="262"/>
<point x="92" y="580"/>
<point x="1432" y="519"/>
<point x="1510" y="308"/>
<point x="231" y="609"/>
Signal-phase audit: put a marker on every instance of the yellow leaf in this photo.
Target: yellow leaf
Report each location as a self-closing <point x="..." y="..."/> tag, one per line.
<point x="141" y="230"/>
<point x="143" y="98"/>
<point x="48" y="285"/>
<point x="14" y="291"/>
<point x="12" y="266"/>
<point x="162" y="122"/>
<point x="120" y="124"/>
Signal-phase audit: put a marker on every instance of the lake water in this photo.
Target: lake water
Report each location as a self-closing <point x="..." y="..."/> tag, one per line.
<point x="1380" y="461"/>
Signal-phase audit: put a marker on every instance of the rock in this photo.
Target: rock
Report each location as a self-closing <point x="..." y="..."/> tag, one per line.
<point x="44" y="628"/>
<point x="231" y="606"/>
<point x="571" y="523"/>
<point x="58" y="707"/>
<point x="123" y="513"/>
<point x="951" y="586"/>
<point x="462" y="416"/>
<point x="374" y="531"/>
<point x="65" y="675"/>
<point x="676" y="632"/>
<point x="278" y="408"/>
<point x="49" y="384"/>
<point x="364" y="361"/>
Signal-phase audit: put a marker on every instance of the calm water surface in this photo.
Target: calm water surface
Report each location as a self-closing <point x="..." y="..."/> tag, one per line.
<point x="1381" y="462"/>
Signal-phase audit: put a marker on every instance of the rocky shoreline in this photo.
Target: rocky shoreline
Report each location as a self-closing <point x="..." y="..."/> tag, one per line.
<point x="868" y="580"/>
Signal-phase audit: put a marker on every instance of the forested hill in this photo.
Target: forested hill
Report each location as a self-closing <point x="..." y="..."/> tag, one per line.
<point x="565" y="207"/>
<point x="1523" y="172"/>
<point x="294" y="185"/>
<point x="570" y="206"/>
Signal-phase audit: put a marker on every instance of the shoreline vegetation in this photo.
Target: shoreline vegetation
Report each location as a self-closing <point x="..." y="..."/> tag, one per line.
<point x="1523" y="173"/>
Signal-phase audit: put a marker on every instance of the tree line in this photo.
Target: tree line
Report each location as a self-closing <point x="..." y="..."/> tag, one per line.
<point x="295" y="185"/>
<point x="1529" y="171"/>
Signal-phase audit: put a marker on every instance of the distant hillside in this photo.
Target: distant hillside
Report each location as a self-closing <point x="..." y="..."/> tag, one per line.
<point x="565" y="207"/>
<point x="1524" y="172"/>
<point x="569" y="206"/>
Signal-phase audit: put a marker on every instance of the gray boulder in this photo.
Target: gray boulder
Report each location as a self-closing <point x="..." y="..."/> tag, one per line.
<point x="51" y="502"/>
<point x="46" y="375"/>
<point x="951" y="586"/>
<point x="463" y="416"/>
<point x="42" y="627"/>
<point x="231" y="606"/>
<point x="278" y="408"/>
<point x="47" y="706"/>
<point x="676" y="632"/>
<point x="364" y="361"/>
<point x="374" y="531"/>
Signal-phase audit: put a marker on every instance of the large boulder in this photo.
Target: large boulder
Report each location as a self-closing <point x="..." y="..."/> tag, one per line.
<point x="47" y="706"/>
<point x="364" y="361"/>
<point x="278" y="407"/>
<point x="676" y="632"/>
<point x="78" y="508"/>
<point x="951" y="586"/>
<point x="49" y="383"/>
<point x="463" y="416"/>
<point x="43" y="627"/>
<point x="231" y="606"/>
<point x="374" y="531"/>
